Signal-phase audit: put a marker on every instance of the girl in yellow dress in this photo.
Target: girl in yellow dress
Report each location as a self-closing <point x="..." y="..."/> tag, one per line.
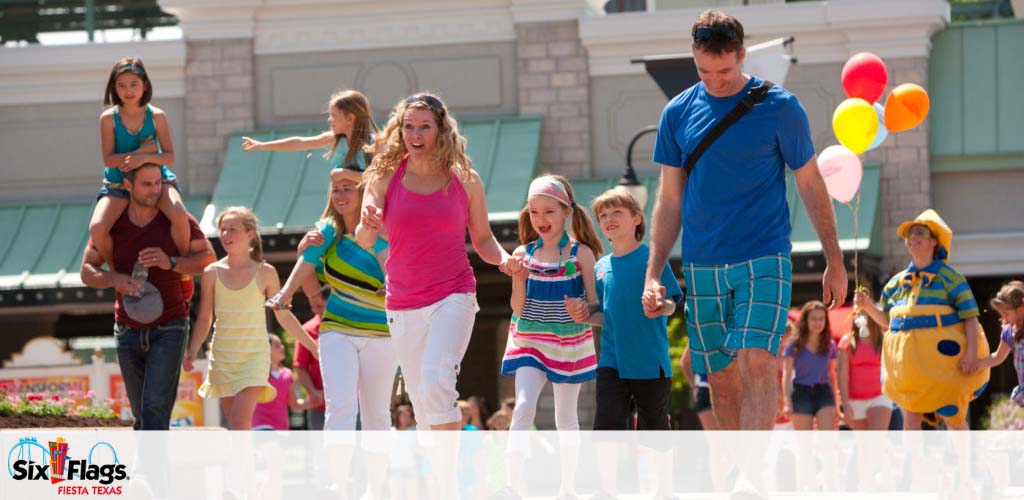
<point x="235" y="288"/>
<point x="932" y="319"/>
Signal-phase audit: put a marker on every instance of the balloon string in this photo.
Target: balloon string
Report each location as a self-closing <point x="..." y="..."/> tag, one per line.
<point x="856" y="243"/>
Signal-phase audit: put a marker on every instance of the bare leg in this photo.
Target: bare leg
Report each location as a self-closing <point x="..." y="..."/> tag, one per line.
<point x="707" y="420"/>
<point x="225" y="405"/>
<point x="859" y="424"/>
<point x="108" y="210"/>
<point x="173" y="207"/>
<point x="826" y="418"/>
<point x="911" y="421"/>
<point x="760" y="397"/>
<point x="242" y="408"/>
<point x="726" y="396"/>
<point x="878" y="418"/>
<point x="802" y="422"/>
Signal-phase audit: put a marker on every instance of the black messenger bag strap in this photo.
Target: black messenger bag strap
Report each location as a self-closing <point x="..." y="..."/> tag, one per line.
<point x="754" y="96"/>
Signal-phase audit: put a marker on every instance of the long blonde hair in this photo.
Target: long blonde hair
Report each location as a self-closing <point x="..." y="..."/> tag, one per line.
<point x="390" y="148"/>
<point x="354" y="103"/>
<point x="249" y="223"/>
<point x="582" y="227"/>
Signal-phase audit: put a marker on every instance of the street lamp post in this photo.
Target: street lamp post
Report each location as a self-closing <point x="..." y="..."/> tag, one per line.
<point x="629" y="182"/>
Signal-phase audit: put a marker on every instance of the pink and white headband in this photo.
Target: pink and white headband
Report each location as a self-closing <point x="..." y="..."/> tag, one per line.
<point x="550" y="187"/>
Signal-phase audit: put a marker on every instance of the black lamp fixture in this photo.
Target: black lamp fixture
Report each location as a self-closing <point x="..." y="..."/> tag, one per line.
<point x="629" y="182"/>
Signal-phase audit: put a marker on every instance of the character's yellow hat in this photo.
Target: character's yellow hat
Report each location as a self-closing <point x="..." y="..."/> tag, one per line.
<point x="930" y="218"/>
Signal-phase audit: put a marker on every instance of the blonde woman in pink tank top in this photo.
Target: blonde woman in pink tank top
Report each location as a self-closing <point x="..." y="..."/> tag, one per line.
<point x="422" y="195"/>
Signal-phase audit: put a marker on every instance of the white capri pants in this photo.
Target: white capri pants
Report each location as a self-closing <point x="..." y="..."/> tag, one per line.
<point x="430" y="343"/>
<point x="359" y="375"/>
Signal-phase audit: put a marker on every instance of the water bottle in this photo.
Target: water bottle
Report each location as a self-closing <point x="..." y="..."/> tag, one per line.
<point x="140" y="272"/>
<point x="147" y="305"/>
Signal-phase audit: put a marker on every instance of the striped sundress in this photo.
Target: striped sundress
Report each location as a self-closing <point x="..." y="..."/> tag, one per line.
<point x="545" y="337"/>
<point x="240" y="350"/>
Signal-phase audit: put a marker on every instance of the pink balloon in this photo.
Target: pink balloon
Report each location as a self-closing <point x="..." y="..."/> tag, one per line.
<point x="842" y="172"/>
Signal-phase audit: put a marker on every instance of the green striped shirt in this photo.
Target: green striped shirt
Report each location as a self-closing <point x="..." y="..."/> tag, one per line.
<point x="354" y="307"/>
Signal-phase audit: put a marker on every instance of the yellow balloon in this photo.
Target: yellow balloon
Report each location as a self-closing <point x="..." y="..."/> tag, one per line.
<point x="855" y="124"/>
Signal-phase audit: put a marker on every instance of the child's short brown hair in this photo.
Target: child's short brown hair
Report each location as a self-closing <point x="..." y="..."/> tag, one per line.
<point x="619" y="198"/>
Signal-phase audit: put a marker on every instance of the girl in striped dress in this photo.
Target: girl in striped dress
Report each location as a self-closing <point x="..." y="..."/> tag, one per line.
<point x="544" y="343"/>
<point x="234" y="289"/>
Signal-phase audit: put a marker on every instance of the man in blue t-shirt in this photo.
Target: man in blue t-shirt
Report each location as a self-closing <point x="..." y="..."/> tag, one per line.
<point x="735" y="219"/>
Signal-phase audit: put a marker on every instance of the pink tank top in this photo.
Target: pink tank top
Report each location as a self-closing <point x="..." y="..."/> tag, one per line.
<point x="865" y="369"/>
<point x="427" y="258"/>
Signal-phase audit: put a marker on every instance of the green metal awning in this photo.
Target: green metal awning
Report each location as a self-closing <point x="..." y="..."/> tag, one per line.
<point x="288" y="190"/>
<point x="44" y="244"/>
<point x="864" y="236"/>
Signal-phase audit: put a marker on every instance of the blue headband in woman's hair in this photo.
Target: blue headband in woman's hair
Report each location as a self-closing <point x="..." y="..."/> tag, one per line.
<point x="134" y="68"/>
<point x="431" y="101"/>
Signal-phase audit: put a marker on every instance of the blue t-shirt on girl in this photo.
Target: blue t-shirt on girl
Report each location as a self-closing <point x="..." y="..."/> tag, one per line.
<point x="632" y="343"/>
<point x="1006" y="335"/>
<point x="358" y="159"/>
<point x="810" y="368"/>
<point x="735" y="205"/>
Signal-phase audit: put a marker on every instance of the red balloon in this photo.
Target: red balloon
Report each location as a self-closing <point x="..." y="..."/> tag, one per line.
<point x="865" y="76"/>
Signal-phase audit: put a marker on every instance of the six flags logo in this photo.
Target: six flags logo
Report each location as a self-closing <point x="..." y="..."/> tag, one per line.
<point x="56" y="465"/>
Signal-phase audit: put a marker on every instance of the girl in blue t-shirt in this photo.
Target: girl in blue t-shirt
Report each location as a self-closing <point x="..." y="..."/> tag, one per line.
<point x="1009" y="303"/>
<point x="132" y="134"/>
<point x="806" y="372"/>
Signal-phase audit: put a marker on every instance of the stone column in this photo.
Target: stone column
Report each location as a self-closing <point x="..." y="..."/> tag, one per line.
<point x="219" y="100"/>
<point x="554" y="82"/>
<point x="219" y="82"/>
<point x="905" y="176"/>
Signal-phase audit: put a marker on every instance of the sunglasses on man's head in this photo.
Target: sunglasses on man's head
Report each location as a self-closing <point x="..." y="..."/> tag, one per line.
<point x="706" y="33"/>
<point x="431" y="101"/>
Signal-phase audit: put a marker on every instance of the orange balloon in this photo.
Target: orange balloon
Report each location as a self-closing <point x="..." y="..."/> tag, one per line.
<point x="906" y="107"/>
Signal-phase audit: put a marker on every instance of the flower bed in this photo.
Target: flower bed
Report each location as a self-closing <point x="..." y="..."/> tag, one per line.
<point x="1005" y="415"/>
<point x="54" y="410"/>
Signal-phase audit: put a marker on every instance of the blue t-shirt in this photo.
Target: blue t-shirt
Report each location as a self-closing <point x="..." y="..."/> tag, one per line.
<point x="336" y="159"/>
<point x="810" y="368"/>
<point x="633" y="344"/>
<point x="734" y="207"/>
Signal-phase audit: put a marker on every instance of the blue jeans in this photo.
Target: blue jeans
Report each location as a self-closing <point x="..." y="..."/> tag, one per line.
<point x="150" y="360"/>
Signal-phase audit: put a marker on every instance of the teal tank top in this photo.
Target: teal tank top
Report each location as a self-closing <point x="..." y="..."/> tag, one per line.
<point x="126" y="142"/>
<point x="339" y="155"/>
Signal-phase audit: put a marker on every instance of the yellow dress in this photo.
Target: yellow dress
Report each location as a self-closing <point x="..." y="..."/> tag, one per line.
<point x="240" y="351"/>
<point x="920" y="365"/>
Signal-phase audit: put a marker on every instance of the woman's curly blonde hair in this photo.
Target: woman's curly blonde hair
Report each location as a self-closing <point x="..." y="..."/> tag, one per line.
<point x="390" y="148"/>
